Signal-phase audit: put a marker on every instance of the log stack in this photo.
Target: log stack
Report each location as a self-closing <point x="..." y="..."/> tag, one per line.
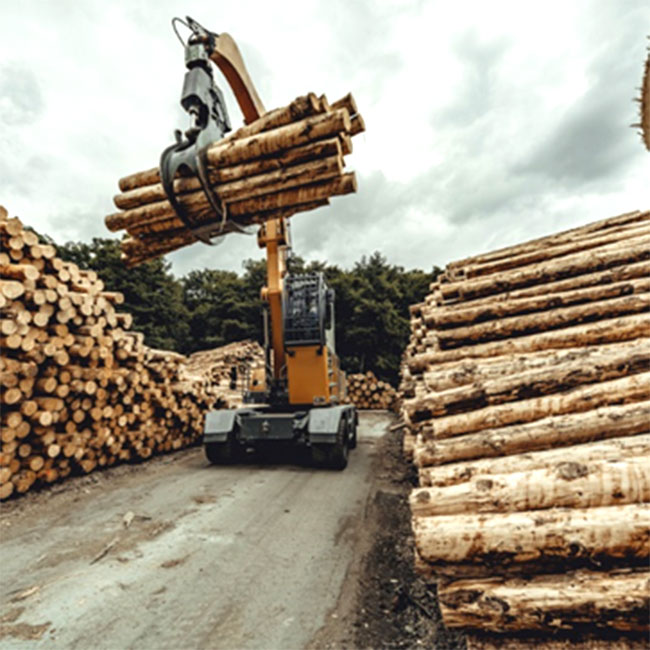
<point x="365" y="391"/>
<point x="225" y="371"/>
<point x="79" y="390"/>
<point x="527" y="413"/>
<point x="288" y="161"/>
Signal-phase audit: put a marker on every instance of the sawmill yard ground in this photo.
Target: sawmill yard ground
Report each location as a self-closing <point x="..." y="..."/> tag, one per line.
<point x="174" y="553"/>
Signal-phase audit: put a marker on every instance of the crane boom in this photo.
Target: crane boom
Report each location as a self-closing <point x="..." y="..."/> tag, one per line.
<point x="226" y="55"/>
<point x="299" y="399"/>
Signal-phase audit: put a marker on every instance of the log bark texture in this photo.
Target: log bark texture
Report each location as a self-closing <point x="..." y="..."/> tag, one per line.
<point x="289" y="160"/>
<point x="597" y="534"/>
<point x="582" y="602"/>
<point x="615" y="449"/>
<point x="566" y="484"/>
<point x="546" y="433"/>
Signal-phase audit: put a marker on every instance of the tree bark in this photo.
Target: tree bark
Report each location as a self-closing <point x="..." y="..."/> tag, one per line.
<point x="631" y="250"/>
<point x="550" y="431"/>
<point x="611" y="330"/>
<point x="484" y="642"/>
<point x="565" y="484"/>
<point x="443" y="317"/>
<point x="612" y="223"/>
<point x="249" y="173"/>
<point x="582" y="601"/>
<point x="614" y="449"/>
<point x="624" y="390"/>
<point x="603" y="365"/>
<point x="543" y="321"/>
<point x="603" y="534"/>
<point x="544" y="253"/>
<point x="465" y="372"/>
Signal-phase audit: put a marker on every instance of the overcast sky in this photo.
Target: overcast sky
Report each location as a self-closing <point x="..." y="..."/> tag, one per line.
<point x="488" y="123"/>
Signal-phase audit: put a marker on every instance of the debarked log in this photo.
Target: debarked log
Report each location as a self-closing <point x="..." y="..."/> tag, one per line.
<point x="546" y="433"/>
<point x="585" y="601"/>
<point x="565" y="484"/>
<point x="600" y="535"/>
<point x="614" y="449"/>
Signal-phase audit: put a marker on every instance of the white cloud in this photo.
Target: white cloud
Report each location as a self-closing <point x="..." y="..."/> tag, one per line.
<point x="487" y="123"/>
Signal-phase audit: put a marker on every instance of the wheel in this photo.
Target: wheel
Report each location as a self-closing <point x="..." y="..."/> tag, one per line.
<point x="338" y="457"/>
<point x="352" y="437"/>
<point x="334" y="456"/>
<point x="221" y="453"/>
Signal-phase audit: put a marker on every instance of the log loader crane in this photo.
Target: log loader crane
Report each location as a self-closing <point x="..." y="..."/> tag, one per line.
<point x="297" y="397"/>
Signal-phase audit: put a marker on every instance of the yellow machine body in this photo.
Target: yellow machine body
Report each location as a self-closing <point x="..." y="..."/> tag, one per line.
<point x="308" y="375"/>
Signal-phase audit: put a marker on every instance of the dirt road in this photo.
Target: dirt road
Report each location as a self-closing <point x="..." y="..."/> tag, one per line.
<point x="178" y="554"/>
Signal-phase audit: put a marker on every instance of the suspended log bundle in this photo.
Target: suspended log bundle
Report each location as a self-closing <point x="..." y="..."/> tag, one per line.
<point x="365" y="391"/>
<point x="288" y="161"/>
<point x="526" y="409"/>
<point x="79" y="390"/>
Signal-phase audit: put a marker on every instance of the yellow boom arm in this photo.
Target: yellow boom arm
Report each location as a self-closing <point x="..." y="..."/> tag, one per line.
<point x="273" y="235"/>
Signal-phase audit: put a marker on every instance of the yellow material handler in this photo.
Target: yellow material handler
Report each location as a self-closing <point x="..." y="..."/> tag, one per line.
<point x="297" y="398"/>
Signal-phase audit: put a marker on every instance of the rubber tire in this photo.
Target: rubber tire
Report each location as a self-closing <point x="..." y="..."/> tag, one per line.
<point x="352" y="438"/>
<point x="338" y="452"/>
<point x="333" y="456"/>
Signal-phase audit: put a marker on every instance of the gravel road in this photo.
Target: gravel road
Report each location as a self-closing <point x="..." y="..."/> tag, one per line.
<point x="176" y="553"/>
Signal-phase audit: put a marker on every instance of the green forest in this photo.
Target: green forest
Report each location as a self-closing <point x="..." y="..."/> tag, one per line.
<point x="208" y="308"/>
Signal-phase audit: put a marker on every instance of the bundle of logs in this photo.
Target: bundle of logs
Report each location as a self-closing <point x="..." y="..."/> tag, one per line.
<point x="80" y="391"/>
<point x="365" y="391"/>
<point x="225" y="371"/>
<point x="289" y="160"/>
<point x="527" y="413"/>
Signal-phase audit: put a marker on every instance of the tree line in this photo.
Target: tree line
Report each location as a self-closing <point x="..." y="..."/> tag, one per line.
<point x="208" y="308"/>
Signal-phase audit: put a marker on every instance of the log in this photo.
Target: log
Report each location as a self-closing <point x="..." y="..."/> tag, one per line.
<point x="543" y="321"/>
<point x="281" y="139"/>
<point x="608" y="363"/>
<point x="584" y="601"/>
<point x="501" y="642"/>
<point x="300" y="108"/>
<point x="633" y="250"/>
<point x="612" y="223"/>
<point x="623" y="390"/>
<point x="565" y="484"/>
<point x="542" y="253"/>
<point x="244" y="188"/>
<point x="550" y="431"/>
<point x="587" y="280"/>
<point x="487" y="311"/>
<point x="614" y="449"/>
<point x="19" y="271"/>
<point x="470" y="371"/>
<point x="625" y="328"/>
<point x="137" y="251"/>
<point x="163" y="214"/>
<point x="11" y="289"/>
<point x="312" y="151"/>
<point x="599" y="535"/>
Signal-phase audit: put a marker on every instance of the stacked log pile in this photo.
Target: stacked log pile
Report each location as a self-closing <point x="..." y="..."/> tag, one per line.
<point x="225" y="371"/>
<point x="365" y="391"/>
<point x="80" y="391"/>
<point x="527" y="413"/>
<point x="289" y="160"/>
